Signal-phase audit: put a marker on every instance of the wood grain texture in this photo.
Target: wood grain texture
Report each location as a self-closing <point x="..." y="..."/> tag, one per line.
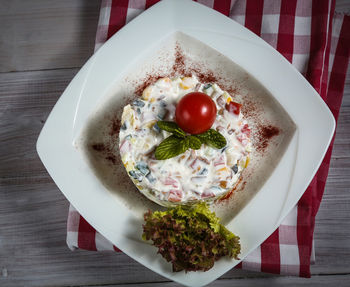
<point x="260" y="282"/>
<point x="42" y="34"/>
<point x="53" y="35"/>
<point x="342" y="6"/>
<point x="33" y="211"/>
<point x="332" y="230"/>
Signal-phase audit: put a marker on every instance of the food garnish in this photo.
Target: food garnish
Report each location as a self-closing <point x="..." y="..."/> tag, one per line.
<point x="213" y="138"/>
<point x="190" y="237"/>
<point x="179" y="142"/>
<point x="195" y="113"/>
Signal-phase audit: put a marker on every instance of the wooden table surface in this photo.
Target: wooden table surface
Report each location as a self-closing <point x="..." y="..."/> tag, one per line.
<point x="42" y="46"/>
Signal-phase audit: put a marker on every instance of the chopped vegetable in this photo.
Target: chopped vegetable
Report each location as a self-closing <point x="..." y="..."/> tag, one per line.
<point x="234" y="108"/>
<point x="178" y="142"/>
<point x="246" y="130"/>
<point x="235" y="168"/>
<point x="204" y="171"/>
<point x="190" y="237"/>
<point x="123" y="127"/>
<point x="136" y="175"/>
<point x="156" y="128"/>
<point x="139" y="103"/>
<point x="142" y="167"/>
<point x="151" y="178"/>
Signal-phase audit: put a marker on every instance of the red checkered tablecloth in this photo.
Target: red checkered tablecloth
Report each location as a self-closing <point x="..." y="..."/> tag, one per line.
<point x="315" y="39"/>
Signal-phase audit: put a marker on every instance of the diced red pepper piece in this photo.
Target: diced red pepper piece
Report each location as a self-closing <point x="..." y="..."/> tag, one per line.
<point x="207" y="194"/>
<point x="170" y="181"/>
<point x="242" y="139"/>
<point x="246" y="130"/>
<point x="234" y="108"/>
<point x="175" y="195"/>
<point x="219" y="161"/>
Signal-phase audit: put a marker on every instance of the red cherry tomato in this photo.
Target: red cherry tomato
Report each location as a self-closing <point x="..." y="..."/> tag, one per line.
<point x="233" y="108"/>
<point x="195" y="113"/>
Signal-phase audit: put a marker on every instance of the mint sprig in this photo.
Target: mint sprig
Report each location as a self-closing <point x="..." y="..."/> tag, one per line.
<point x="171" y="147"/>
<point x="179" y="142"/>
<point x="194" y="142"/>
<point x="213" y="138"/>
<point x="171" y="127"/>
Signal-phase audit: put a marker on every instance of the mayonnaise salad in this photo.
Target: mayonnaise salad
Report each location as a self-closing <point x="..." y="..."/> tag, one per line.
<point x="204" y="174"/>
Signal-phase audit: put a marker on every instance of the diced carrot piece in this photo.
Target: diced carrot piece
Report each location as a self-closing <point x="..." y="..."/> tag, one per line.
<point x="222" y="169"/>
<point x="175" y="195"/>
<point x="223" y="184"/>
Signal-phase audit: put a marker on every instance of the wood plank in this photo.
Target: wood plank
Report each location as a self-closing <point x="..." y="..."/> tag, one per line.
<point x="342" y="6"/>
<point x="33" y="211"/>
<point x="332" y="230"/>
<point x="26" y="100"/>
<point x="261" y="282"/>
<point x="33" y="250"/>
<point x="45" y="34"/>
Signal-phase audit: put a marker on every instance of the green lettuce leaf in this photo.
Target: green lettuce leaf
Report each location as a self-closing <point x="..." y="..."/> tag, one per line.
<point x="190" y="237"/>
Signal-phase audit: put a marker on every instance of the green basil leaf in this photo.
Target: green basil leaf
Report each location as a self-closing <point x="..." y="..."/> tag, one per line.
<point x="213" y="138"/>
<point x="171" y="127"/>
<point x="194" y="142"/>
<point x="167" y="126"/>
<point x="179" y="133"/>
<point x="171" y="147"/>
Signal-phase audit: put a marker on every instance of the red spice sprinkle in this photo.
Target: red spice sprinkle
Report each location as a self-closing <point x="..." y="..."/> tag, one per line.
<point x="269" y="131"/>
<point x="238" y="187"/>
<point x="115" y="127"/>
<point x="250" y="109"/>
<point x="180" y="68"/>
<point x="98" y="147"/>
<point x="106" y="150"/>
<point x="264" y="134"/>
<point x="179" y="64"/>
<point x="186" y="69"/>
<point x="206" y="77"/>
<point x="111" y="158"/>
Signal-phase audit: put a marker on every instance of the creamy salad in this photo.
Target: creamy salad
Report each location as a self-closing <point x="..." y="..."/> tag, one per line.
<point x="204" y="174"/>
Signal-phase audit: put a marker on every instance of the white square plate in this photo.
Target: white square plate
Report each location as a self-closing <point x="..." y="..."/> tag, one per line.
<point x="107" y="80"/>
